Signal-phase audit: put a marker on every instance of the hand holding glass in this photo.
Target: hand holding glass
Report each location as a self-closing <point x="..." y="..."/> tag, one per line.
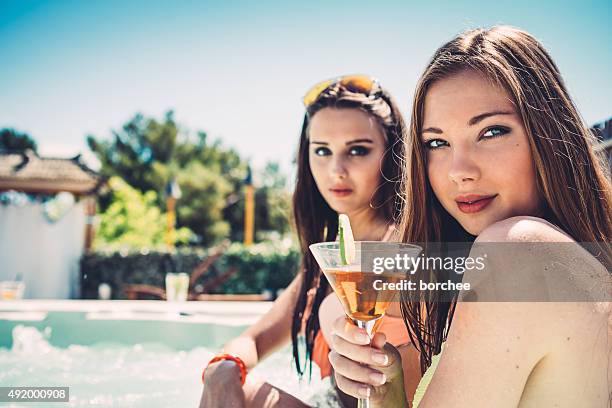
<point x="354" y="283"/>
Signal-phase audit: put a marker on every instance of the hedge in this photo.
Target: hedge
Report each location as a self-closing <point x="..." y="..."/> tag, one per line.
<point x="264" y="266"/>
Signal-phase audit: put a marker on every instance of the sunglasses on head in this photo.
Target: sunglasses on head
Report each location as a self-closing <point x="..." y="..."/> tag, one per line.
<point x="364" y="84"/>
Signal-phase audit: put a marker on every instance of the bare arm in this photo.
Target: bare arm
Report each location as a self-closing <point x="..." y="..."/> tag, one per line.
<point x="271" y="332"/>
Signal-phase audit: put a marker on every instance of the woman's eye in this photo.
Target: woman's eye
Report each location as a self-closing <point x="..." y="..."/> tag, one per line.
<point x="435" y="143"/>
<point x="358" y="151"/>
<point x="322" y="151"/>
<point x="495" y="131"/>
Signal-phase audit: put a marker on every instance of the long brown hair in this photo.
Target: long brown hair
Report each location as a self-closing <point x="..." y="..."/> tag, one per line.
<point x="572" y="179"/>
<point x="316" y="221"/>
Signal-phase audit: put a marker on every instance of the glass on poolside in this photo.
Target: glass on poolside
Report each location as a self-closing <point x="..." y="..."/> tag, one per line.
<point x="177" y="286"/>
<point x="12" y="290"/>
<point x="353" y="283"/>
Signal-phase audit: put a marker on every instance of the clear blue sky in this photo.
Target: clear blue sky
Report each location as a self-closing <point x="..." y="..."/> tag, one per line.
<point x="238" y="69"/>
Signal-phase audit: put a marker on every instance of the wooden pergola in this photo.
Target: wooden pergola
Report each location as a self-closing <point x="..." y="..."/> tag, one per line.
<point x="31" y="174"/>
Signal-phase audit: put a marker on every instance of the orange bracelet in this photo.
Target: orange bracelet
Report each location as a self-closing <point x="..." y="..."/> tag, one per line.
<point x="237" y="360"/>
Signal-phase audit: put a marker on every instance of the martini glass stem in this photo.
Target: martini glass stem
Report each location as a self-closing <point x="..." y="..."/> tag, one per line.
<point x="369" y="328"/>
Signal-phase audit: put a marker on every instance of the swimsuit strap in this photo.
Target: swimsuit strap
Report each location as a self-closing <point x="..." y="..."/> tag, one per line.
<point x="389" y="232"/>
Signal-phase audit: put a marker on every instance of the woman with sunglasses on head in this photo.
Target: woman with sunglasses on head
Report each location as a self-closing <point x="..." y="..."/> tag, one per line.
<point x="347" y="164"/>
<point x="498" y="149"/>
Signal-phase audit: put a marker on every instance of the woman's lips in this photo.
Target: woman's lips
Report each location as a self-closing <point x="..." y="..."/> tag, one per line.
<point x="474" y="205"/>
<point x="341" y="192"/>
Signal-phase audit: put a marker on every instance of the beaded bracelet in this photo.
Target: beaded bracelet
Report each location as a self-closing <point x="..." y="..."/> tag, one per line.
<point x="237" y="360"/>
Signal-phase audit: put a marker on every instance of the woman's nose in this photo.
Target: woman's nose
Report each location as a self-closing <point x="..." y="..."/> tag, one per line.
<point x="463" y="167"/>
<point x="338" y="168"/>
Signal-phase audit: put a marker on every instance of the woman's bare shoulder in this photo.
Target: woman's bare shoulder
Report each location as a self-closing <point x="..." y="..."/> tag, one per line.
<point x="530" y="259"/>
<point x="523" y="229"/>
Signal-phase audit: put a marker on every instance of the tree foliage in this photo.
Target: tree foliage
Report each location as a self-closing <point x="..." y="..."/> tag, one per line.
<point x="148" y="153"/>
<point x="134" y="220"/>
<point x="15" y="141"/>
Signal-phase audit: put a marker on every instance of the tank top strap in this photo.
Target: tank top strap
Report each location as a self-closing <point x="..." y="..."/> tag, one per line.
<point x="390" y="230"/>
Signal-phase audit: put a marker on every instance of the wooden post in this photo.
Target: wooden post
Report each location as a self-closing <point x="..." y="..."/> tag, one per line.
<point x="171" y="221"/>
<point x="173" y="193"/>
<point x="90" y="214"/>
<point x="249" y="214"/>
<point x="249" y="208"/>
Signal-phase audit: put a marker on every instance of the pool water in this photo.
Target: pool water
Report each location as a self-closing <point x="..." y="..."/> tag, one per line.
<point x="127" y="376"/>
<point x="127" y="368"/>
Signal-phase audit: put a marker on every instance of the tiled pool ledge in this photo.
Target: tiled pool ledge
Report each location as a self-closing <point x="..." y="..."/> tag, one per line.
<point x="228" y="313"/>
<point x="153" y="306"/>
<point x="24" y="316"/>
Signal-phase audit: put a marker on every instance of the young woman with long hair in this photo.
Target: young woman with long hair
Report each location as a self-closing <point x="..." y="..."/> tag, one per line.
<point x="498" y="149"/>
<point x="347" y="162"/>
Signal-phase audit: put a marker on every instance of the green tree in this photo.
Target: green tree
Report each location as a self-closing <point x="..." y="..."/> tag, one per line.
<point x="203" y="200"/>
<point x="15" y="141"/>
<point x="147" y="153"/>
<point x="272" y="205"/>
<point x="134" y="220"/>
<point x="133" y="152"/>
<point x="273" y="201"/>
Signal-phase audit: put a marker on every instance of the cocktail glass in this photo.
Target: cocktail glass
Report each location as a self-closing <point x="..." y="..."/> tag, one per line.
<point x="177" y="286"/>
<point x="354" y="284"/>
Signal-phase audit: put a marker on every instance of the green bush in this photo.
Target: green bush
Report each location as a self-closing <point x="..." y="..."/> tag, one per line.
<point x="134" y="220"/>
<point x="263" y="266"/>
